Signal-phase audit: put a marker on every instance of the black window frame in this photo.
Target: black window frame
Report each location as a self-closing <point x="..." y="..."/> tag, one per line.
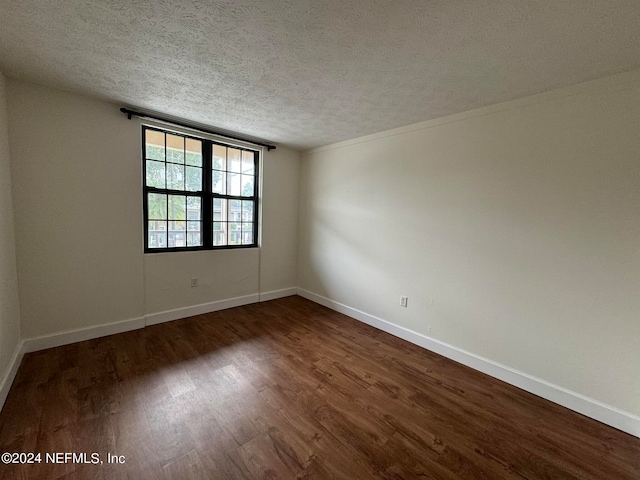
<point x="206" y="195"/>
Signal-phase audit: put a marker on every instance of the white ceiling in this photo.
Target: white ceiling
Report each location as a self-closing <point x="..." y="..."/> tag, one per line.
<point x="307" y="73"/>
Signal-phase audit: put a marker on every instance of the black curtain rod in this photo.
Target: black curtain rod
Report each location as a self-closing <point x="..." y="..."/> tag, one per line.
<point x="133" y="113"/>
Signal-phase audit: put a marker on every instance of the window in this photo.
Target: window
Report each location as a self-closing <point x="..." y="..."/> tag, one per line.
<point x="198" y="194"/>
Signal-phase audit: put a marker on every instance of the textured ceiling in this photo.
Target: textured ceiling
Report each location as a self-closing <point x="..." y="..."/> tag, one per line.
<point x="308" y="73"/>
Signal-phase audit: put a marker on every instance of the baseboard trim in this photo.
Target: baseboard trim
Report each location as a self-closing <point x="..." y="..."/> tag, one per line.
<point x="81" y="334"/>
<point x="88" y="333"/>
<point x="589" y="407"/>
<point x="10" y="375"/>
<point x="273" y="295"/>
<point x="178" y="313"/>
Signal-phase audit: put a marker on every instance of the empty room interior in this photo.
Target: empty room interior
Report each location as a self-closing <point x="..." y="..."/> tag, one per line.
<point x="275" y="239"/>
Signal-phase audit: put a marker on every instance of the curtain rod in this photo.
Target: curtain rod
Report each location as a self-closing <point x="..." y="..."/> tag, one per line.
<point x="133" y="113"/>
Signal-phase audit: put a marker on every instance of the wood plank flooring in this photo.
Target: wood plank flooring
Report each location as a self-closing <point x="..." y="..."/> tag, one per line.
<point x="288" y="389"/>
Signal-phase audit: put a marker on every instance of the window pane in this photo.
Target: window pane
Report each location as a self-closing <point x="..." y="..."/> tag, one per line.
<point x="235" y="211"/>
<point x="247" y="163"/>
<point x="219" y="233"/>
<point x="235" y="238"/>
<point x="155" y="174"/>
<point x="233" y="160"/>
<point x="177" y="239"/>
<point x="194" y="208"/>
<point x="177" y="225"/>
<point x="157" y="206"/>
<point x="194" y="239"/>
<point x="247" y="233"/>
<point x="194" y="152"/>
<point x="175" y="176"/>
<point x="159" y="225"/>
<point x="155" y="145"/>
<point x="194" y="179"/>
<point x="177" y="207"/>
<point x="233" y="184"/>
<point x="247" y="185"/>
<point x="219" y="157"/>
<point x="219" y="209"/>
<point x="235" y="233"/>
<point x="157" y="234"/>
<point x="247" y="211"/>
<point x="219" y="182"/>
<point x="175" y="149"/>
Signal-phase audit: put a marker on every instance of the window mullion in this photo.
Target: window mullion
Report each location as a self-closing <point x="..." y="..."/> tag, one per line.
<point x="207" y="197"/>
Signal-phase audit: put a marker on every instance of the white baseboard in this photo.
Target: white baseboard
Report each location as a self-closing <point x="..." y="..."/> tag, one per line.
<point x="10" y="375"/>
<point x="589" y="407"/>
<point x="80" y="334"/>
<point x="170" y="315"/>
<point x="178" y="313"/>
<point x="285" y="292"/>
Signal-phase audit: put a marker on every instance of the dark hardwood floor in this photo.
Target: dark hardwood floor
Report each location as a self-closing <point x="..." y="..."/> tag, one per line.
<point x="289" y="389"/>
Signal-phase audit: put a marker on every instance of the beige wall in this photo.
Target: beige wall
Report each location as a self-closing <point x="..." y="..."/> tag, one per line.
<point x="78" y="209"/>
<point x="76" y="177"/>
<point x="513" y="230"/>
<point x="221" y="274"/>
<point x="280" y="219"/>
<point x="9" y="300"/>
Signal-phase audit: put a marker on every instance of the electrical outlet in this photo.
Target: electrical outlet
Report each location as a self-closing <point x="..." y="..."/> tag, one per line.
<point x="194" y="282"/>
<point x="403" y="301"/>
